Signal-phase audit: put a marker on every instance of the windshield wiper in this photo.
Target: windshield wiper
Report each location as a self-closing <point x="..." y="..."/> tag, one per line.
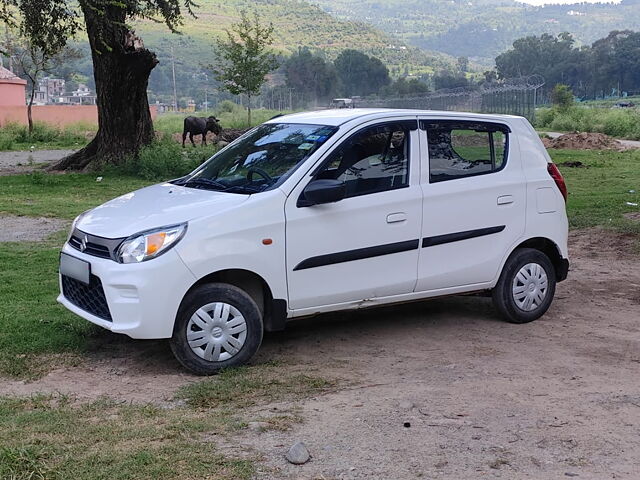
<point x="205" y="182"/>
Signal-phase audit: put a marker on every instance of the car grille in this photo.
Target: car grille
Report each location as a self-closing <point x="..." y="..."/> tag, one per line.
<point x="94" y="245"/>
<point x="89" y="298"/>
<point x="94" y="249"/>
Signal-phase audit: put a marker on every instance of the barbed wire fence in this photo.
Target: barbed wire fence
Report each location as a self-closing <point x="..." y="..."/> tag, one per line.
<point x="514" y="96"/>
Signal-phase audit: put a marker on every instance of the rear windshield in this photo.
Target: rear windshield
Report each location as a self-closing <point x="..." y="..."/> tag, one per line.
<point x="259" y="160"/>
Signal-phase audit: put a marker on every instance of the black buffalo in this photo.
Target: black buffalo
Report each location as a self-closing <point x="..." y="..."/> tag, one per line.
<point x="200" y="126"/>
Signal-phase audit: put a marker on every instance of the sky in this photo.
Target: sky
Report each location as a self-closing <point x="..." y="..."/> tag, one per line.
<point x="543" y="2"/>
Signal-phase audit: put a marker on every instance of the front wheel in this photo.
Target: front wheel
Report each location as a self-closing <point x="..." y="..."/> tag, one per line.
<point x="218" y="326"/>
<point x="526" y="286"/>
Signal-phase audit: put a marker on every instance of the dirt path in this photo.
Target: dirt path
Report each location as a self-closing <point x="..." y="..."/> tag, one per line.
<point x="12" y="163"/>
<point x="440" y="389"/>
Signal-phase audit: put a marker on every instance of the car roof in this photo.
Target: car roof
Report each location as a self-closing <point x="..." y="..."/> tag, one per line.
<point x="340" y="116"/>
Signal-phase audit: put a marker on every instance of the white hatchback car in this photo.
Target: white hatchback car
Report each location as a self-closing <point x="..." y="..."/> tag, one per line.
<point x="324" y="211"/>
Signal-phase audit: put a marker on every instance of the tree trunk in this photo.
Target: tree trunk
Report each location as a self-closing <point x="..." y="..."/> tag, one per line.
<point x="249" y="109"/>
<point x="121" y="68"/>
<point x="30" y="106"/>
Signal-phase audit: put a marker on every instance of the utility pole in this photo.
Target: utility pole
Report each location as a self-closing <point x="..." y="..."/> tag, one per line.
<point x="175" y="92"/>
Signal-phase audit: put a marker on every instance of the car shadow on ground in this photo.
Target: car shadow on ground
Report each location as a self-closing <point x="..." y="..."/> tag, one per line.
<point x="309" y="335"/>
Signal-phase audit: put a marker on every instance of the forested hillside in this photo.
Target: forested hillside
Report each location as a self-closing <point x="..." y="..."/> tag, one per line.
<point x="484" y="28"/>
<point x="296" y="23"/>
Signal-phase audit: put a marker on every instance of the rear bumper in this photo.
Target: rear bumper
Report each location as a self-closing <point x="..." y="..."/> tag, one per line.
<point x="562" y="270"/>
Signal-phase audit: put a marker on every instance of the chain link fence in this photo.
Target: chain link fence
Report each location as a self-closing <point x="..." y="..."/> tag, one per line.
<point x="516" y="96"/>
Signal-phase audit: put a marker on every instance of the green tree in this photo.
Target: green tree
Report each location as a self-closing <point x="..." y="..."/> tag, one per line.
<point x="447" y="80"/>
<point x="616" y="61"/>
<point x="310" y="75"/>
<point x="360" y="74"/>
<point x="553" y="57"/>
<point x="402" y="86"/>
<point x="245" y="61"/>
<point x="32" y="62"/>
<point x="463" y="64"/>
<point x="121" y="63"/>
<point x="562" y="97"/>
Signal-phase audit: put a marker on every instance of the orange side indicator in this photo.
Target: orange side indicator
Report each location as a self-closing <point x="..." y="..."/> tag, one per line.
<point x="267" y="241"/>
<point x="155" y="241"/>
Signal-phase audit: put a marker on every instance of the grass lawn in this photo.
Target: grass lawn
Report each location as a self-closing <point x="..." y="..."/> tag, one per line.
<point x="15" y="137"/>
<point x="598" y="193"/>
<point x="52" y="437"/>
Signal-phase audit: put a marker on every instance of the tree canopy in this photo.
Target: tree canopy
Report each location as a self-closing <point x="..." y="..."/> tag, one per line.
<point x="245" y="58"/>
<point x="610" y="64"/>
<point x="360" y="74"/>
<point x="121" y="63"/>
<point x="311" y="75"/>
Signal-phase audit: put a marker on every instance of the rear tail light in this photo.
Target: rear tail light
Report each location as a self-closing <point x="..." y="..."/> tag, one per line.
<point x="558" y="178"/>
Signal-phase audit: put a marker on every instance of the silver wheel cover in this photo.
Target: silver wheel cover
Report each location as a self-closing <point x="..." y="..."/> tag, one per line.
<point x="529" y="288"/>
<point x="216" y="332"/>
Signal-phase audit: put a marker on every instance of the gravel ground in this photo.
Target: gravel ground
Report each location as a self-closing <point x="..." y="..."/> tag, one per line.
<point x="28" y="229"/>
<point x="12" y="163"/>
<point x="439" y="389"/>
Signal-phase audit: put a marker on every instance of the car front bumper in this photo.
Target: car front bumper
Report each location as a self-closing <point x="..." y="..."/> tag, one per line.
<point x="142" y="298"/>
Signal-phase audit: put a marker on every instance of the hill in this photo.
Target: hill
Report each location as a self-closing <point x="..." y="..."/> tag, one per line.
<point x="297" y="23"/>
<point x="482" y="29"/>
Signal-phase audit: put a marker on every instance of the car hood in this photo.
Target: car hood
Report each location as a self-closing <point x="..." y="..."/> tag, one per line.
<point x="153" y="207"/>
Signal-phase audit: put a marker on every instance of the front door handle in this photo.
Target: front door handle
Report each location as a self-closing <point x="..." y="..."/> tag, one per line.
<point x="396" y="217"/>
<point x="505" y="199"/>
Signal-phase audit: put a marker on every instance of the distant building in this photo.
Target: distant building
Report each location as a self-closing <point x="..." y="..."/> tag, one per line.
<point x="12" y="104"/>
<point x="81" y="96"/>
<point x="49" y="90"/>
<point x="82" y="91"/>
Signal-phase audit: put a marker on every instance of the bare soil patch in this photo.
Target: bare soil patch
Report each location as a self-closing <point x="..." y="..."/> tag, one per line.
<point x="12" y="163"/>
<point x="29" y="229"/>
<point x="633" y="216"/>
<point x="438" y="389"/>
<point x="584" y="141"/>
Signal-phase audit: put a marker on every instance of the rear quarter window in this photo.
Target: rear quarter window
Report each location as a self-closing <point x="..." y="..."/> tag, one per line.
<point x="465" y="149"/>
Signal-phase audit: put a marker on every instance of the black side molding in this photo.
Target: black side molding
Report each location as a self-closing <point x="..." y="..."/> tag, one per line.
<point x="456" y="237"/>
<point x="357" y="254"/>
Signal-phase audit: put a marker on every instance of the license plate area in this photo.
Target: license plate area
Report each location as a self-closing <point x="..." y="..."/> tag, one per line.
<point x="75" y="268"/>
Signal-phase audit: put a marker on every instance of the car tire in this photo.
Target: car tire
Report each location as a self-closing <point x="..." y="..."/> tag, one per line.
<point x="526" y="286"/>
<point x="218" y="326"/>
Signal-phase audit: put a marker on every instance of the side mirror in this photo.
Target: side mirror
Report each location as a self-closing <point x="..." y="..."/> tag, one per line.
<point x="322" y="191"/>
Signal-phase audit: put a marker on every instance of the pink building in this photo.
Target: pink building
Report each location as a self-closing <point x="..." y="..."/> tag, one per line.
<point x="12" y="89"/>
<point x="13" y="107"/>
<point x="12" y="98"/>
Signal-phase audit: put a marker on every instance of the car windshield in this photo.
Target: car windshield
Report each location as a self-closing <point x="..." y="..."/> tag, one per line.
<point x="259" y="160"/>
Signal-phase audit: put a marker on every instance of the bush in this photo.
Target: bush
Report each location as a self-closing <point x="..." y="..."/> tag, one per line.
<point x="617" y="123"/>
<point x="562" y="97"/>
<point x="227" y="106"/>
<point x="166" y="159"/>
<point x="14" y="136"/>
<point x="6" y="141"/>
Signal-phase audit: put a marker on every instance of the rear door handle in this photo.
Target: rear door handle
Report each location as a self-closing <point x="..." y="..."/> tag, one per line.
<point x="396" y="217"/>
<point x="505" y="199"/>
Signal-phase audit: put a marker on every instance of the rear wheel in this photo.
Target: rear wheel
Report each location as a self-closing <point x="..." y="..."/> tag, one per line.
<point x="526" y="286"/>
<point x="218" y="326"/>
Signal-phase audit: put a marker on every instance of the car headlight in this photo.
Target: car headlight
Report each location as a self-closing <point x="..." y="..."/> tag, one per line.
<point x="150" y="243"/>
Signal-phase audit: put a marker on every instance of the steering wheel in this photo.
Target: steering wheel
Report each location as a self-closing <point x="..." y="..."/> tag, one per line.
<point x="260" y="172"/>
